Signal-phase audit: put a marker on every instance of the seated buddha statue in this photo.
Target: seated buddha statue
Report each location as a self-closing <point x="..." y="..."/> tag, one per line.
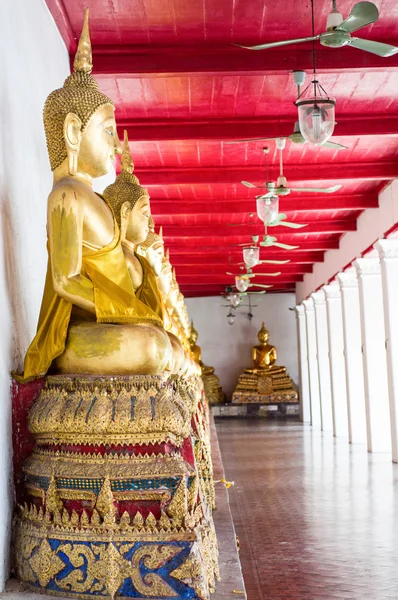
<point x="131" y="206"/>
<point x="197" y="351"/>
<point x="213" y="390"/>
<point x="91" y="319"/>
<point x="264" y="355"/>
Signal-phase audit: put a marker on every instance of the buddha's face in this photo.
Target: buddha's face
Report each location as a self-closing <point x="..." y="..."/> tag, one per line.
<point x="165" y="278"/>
<point x="263" y="338"/>
<point x="99" y="143"/>
<point x="137" y="224"/>
<point x="155" y="254"/>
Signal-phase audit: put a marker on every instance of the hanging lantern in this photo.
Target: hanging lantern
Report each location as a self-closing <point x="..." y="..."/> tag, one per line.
<point x="242" y="283"/>
<point x="268" y="209"/>
<point x="251" y="256"/>
<point x="316" y="115"/>
<point x="234" y="300"/>
<point x="231" y="318"/>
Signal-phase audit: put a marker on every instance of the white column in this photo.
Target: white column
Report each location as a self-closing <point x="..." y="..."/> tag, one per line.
<point x="323" y="360"/>
<point x="374" y="354"/>
<point x="353" y="356"/>
<point x="312" y="363"/>
<point x="388" y="252"/>
<point x="336" y="359"/>
<point x="305" y="407"/>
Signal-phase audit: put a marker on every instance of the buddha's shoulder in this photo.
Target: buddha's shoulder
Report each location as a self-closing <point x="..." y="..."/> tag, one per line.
<point x="72" y="193"/>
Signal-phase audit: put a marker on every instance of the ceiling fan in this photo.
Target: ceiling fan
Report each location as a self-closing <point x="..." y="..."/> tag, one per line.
<point x="338" y="32"/>
<point x="281" y="188"/>
<point x="268" y="241"/>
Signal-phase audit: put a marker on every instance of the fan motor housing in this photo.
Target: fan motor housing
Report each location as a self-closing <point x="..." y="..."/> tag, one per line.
<point x="335" y="39"/>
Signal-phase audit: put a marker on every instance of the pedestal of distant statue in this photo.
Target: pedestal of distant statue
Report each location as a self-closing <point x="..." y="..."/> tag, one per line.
<point x="265" y="382"/>
<point x="213" y="390"/>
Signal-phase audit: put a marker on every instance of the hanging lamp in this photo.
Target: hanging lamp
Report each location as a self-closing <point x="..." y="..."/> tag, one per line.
<point x="316" y="110"/>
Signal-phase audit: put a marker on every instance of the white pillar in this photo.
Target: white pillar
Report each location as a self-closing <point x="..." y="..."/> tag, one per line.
<point x="388" y="252"/>
<point x="336" y="359"/>
<point x="374" y="354"/>
<point x="322" y="345"/>
<point x="353" y="356"/>
<point x="305" y="407"/>
<point x="312" y="363"/>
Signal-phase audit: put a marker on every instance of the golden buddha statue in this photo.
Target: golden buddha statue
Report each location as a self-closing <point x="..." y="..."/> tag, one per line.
<point x="264" y="355"/>
<point x="265" y="381"/>
<point x="211" y="382"/>
<point x="91" y="319"/>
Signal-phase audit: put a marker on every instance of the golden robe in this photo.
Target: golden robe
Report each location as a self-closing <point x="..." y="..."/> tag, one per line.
<point x="114" y="298"/>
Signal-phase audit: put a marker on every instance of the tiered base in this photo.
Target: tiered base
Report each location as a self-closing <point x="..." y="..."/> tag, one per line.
<point x="117" y="491"/>
<point x="265" y="388"/>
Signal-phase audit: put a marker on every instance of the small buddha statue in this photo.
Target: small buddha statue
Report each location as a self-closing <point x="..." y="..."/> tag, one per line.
<point x="91" y="319"/>
<point x="264" y="355"/>
<point x="213" y="390"/>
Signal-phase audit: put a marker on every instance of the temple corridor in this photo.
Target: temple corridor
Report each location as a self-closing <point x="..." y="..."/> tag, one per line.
<point x="315" y="517"/>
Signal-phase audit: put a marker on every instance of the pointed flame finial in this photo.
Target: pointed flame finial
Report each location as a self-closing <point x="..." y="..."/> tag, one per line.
<point x="161" y="232"/>
<point x="83" y="62"/>
<point x="127" y="162"/>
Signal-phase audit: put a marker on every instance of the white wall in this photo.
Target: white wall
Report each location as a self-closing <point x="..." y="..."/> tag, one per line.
<point x="228" y="347"/>
<point x="34" y="61"/>
<point x="371" y="225"/>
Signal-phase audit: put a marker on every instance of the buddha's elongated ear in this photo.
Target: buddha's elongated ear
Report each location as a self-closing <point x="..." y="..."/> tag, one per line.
<point x="72" y="137"/>
<point x="125" y="211"/>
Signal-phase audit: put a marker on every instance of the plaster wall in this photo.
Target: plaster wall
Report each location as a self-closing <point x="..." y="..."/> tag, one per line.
<point x="371" y="225"/>
<point x="228" y="347"/>
<point x="33" y="62"/>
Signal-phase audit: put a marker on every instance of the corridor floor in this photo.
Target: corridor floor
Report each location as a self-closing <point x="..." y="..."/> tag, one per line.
<point x="317" y="519"/>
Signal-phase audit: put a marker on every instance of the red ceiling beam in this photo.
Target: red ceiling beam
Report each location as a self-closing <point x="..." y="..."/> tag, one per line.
<point x="167" y="61"/>
<point x="246" y="128"/>
<point x="235" y="234"/>
<point x="190" y="247"/>
<point x="205" y="270"/>
<point x="291" y="203"/>
<point x="366" y="171"/>
<point x="223" y="259"/>
<point x="199" y="292"/>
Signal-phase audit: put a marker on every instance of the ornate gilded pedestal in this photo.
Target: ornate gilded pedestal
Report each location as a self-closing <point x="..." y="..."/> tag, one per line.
<point x="117" y="502"/>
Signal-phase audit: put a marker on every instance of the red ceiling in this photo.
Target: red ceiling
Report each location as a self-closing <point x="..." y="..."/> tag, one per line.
<point x="183" y="91"/>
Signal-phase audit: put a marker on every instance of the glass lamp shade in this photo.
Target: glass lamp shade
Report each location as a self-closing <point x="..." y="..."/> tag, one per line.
<point x="230" y="318"/>
<point x="242" y="283"/>
<point x="251" y="256"/>
<point x="268" y="209"/>
<point x="316" y="119"/>
<point x="234" y="300"/>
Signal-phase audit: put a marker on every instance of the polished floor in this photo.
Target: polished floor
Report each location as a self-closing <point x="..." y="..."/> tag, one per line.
<point x="317" y="519"/>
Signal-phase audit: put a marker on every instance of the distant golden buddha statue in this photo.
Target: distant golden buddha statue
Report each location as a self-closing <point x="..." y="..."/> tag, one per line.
<point x="213" y="389"/>
<point x="265" y="382"/>
<point x="91" y="319"/>
<point x="264" y="355"/>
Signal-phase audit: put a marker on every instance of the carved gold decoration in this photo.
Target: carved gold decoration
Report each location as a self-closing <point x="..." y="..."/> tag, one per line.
<point x="53" y="502"/>
<point x="105" y="410"/>
<point x="153" y="557"/>
<point x="178" y="506"/>
<point x="46" y="564"/>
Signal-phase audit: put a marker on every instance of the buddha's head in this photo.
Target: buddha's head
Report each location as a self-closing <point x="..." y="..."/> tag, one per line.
<point x="129" y="201"/>
<point x="193" y="335"/>
<point x="153" y="248"/>
<point x="79" y="120"/>
<point x="165" y="276"/>
<point x="263" y="334"/>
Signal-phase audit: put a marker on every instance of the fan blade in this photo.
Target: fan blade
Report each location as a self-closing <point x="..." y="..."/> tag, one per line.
<point x="248" y="184"/>
<point x="261" y="285"/>
<point x="383" y="50"/>
<point x="292" y="225"/>
<point x="236" y="224"/>
<point x="233" y="274"/>
<point x="333" y="145"/>
<point x="274" y="262"/>
<point x="269" y="274"/>
<point x="285" y="246"/>
<point x="329" y="190"/>
<point x="362" y="14"/>
<point x="277" y="44"/>
<point x="251" y="140"/>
